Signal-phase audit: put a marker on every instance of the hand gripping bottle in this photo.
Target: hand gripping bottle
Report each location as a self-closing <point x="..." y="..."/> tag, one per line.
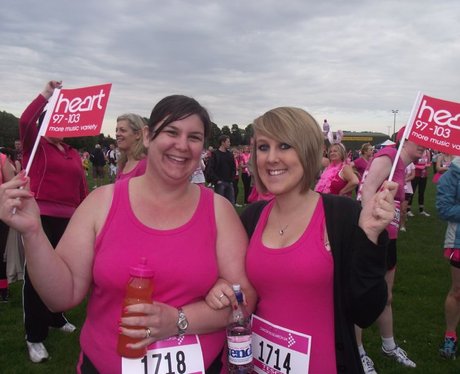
<point x="139" y="290"/>
<point x="239" y="337"/>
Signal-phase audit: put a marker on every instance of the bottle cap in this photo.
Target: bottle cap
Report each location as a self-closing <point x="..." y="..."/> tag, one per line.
<point x="141" y="270"/>
<point x="236" y="288"/>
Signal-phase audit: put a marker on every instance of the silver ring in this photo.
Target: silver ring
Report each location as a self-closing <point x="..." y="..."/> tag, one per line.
<point x="221" y="296"/>
<point x="148" y="333"/>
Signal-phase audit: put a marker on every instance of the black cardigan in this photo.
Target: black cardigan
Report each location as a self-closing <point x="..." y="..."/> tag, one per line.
<point x="360" y="290"/>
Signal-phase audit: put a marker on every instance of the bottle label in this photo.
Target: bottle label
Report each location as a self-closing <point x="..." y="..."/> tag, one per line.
<point x="178" y="354"/>
<point x="239" y="349"/>
<point x="278" y="350"/>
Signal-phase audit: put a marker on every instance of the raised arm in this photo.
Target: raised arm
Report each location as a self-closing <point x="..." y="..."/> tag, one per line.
<point x="61" y="277"/>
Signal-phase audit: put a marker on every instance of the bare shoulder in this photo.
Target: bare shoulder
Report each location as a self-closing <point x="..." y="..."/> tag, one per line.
<point x="96" y="205"/>
<point x="223" y="207"/>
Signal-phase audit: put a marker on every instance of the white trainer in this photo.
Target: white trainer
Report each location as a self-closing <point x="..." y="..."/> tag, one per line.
<point x="68" y="328"/>
<point x="368" y="365"/>
<point x="410" y="214"/>
<point x="399" y="355"/>
<point x="423" y="213"/>
<point x="37" y="352"/>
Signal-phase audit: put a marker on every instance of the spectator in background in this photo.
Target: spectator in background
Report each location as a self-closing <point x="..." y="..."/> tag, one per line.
<point x="409" y="176"/>
<point x="198" y="175"/>
<point x="236" y="179"/>
<point x="129" y="135"/>
<point x="420" y="180"/>
<point x="18" y="149"/>
<point x="443" y="161"/>
<point x="360" y="164"/>
<point x="6" y="174"/>
<point x="97" y="158"/>
<point x="222" y="169"/>
<point x="338" y="178"/>
<point x="245" y="173"/>
<point x="448" y="206"/>
<point x="59" y="184"/>
<point x="374" y="177"/>
<point x="112" y="159"/>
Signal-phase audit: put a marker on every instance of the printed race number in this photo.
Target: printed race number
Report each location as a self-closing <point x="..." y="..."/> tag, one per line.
<point x="278" y="350"/>
<point x="164" y="365"/>
<point x="176" y="355"/>
<point x="271" y="357"/>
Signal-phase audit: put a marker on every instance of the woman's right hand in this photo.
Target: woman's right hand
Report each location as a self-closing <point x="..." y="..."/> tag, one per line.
<point x="221" y="295"/>
<point x="18" y="208"/>
<point x="50" y="87"/>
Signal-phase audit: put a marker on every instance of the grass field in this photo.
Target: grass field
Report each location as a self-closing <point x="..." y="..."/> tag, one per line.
<point x="422" y="281"/>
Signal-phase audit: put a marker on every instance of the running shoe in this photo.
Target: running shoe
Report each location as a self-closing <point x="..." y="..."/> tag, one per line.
<point x="448" y="348"/>
<point x="423" y="213"/>
<point x="399" y="355"/>
<point x="37" y="352"/>
<point x="410" y="214"/>
<point x="368" y="365"/>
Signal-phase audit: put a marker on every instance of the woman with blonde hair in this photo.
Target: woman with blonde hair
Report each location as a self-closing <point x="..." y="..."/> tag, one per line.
<point x="317" y="262"/>
<point x="129" y="135"/>
<point x="338" y="178"/>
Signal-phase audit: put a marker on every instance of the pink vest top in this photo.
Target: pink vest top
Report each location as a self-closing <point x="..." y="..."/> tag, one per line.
<point x="295" y="286"/>
<point x="137" y="171"/>
<point x="185" y="265"/>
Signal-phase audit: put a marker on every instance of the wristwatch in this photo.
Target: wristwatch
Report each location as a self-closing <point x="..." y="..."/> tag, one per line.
<point x="182" y="322"/>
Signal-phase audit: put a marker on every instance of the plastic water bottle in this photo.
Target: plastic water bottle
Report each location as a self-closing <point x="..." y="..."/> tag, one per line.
<point x="239" y="337"/>
<point x="139" y="290"/>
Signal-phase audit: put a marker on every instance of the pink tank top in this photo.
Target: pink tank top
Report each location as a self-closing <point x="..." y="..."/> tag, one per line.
<point x="137" y="171"/>
<point x="295" y="286"/>
<point x="185" y="265"/>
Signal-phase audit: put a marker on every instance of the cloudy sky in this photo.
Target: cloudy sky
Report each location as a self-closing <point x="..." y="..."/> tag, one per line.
<point x="351" y="62"/>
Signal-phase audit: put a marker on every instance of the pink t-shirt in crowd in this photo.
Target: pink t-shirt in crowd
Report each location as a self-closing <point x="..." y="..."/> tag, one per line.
<point x="183" y="259"/>
<point x="295" y="286"/>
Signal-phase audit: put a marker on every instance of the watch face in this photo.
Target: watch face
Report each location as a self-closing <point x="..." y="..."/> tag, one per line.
<point x="182" y="324"/>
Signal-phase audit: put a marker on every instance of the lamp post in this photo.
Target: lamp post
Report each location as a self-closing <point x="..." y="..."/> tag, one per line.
<point x="394" y="111"/>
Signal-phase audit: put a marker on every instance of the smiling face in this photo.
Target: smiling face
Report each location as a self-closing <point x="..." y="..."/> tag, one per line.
<point x="175" y="152"/>
<point x="278" y="165"/>
<point x="126" y="137"/>
<point x="336" y="153"/>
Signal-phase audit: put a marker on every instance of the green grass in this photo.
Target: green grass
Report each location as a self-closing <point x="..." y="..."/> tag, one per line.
<point x="422" y="281"/>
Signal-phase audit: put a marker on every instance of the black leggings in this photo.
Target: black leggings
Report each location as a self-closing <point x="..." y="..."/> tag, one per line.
<point x="37" y="317"/>
<point x="246" y="178"/>
<point x="4" y="229"/>
<point x="421" y="183"/>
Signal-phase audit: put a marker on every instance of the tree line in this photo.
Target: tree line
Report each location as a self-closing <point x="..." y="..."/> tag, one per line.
<point x="9" y="132"/>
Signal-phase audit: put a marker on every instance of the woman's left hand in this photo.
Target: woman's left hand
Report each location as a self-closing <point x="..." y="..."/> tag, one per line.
<point x="379" y="211"/>
<point x="157" y="321"/>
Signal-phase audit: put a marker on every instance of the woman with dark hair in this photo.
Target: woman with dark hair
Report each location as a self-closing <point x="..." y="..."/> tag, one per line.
<point x="182" y="229"/>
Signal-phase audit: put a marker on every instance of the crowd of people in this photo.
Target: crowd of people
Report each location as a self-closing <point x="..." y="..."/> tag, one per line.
<point x="325" y="224"/>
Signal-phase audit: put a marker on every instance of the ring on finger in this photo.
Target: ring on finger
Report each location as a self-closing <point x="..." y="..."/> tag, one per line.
<point x="221" y="296"/>
<point x="148" y="333"/>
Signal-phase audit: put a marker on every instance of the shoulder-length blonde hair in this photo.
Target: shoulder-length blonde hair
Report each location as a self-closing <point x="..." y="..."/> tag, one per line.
<point x="136" y="123"/>
<point x="296" y="127"/>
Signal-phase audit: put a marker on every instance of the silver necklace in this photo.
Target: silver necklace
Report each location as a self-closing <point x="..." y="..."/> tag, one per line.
<point x="281" y="232"/>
